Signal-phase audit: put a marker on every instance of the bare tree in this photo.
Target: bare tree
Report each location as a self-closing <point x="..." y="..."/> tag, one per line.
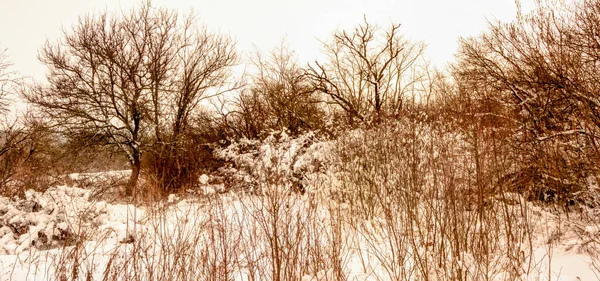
<point x="368" y="71"/>
<point x="132" y="79"/>
<point x="280" y="96"/>
<point x="287" y="91"/>
<point x="7" y="82"/>
<point x="538" y="76"/>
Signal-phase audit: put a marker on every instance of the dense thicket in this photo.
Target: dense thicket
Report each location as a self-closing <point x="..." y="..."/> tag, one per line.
<point x="522" y="97"/>
<point x="534" y="84"/>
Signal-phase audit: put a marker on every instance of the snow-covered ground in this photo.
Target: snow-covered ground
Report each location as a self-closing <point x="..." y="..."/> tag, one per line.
<point x="223" y="233"/>
<point x="98" y="235"/>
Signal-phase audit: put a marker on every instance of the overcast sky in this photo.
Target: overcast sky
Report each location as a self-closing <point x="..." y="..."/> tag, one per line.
<point x="26" y="24"/>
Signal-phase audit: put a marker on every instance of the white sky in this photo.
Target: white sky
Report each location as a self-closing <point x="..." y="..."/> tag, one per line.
<point x="26" y="24"/>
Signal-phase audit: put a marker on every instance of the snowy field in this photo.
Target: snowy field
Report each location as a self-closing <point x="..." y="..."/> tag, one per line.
<point x="273" y="232"/>
<point x="62" y="227"/>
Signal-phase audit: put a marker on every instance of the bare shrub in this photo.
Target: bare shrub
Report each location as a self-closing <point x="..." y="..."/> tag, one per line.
<point x="28" y="156"/>
<point x="290" y="237"/>
<point x="413" y="189"/>
<point x="13" y="153"/>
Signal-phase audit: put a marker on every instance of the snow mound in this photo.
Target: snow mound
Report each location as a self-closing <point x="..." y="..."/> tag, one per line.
<point x="58" y="217"/>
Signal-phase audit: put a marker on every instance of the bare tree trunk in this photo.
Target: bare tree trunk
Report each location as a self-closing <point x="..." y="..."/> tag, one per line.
<point x="135" y="174"/>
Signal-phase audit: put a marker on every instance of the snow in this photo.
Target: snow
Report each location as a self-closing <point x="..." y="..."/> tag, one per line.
<point x="204" y="179"/>
<point x="310" y="229"/>
<point x="564" y="266"/>
<point x="116" y="223"/>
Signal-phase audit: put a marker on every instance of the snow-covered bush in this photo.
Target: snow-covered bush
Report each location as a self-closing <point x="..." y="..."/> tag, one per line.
<point x="278" y="159"/>
<point x="54" y="218"/>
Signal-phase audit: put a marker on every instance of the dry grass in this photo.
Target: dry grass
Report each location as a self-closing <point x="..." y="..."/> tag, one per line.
<point x="405" y="204"/>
